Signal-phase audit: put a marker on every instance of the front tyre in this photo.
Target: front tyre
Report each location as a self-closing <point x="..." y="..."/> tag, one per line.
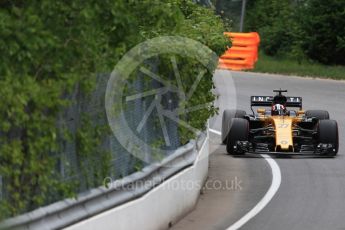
<point x="319" y="114"/>
<point x="228" y="115"/>
<point x="239" y="131"/>
<point x="328" y="134"/>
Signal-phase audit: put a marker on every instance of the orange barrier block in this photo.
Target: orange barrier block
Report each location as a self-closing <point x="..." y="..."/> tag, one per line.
<point x="244" y="51"/>
<point x="234" y="64"/>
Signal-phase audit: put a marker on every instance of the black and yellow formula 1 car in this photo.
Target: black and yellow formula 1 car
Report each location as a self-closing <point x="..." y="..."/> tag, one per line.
<point x="279" y="130"/>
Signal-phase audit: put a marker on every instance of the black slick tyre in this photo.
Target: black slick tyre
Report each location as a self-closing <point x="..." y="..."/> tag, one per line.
<point x="327" y="133"/>
<point x="239" y="131"/>
<point x="228" y="115"/>
<point x="319" y="114"/>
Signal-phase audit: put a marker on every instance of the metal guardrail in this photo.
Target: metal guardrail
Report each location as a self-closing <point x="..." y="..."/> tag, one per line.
<point x="70" y="211"/>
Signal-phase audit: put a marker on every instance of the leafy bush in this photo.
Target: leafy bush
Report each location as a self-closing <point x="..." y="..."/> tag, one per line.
<point x="323" y="24"/>
<point x="300" y="29"/>
<point x="50" y="48"/>
<point x="276" y="24"/>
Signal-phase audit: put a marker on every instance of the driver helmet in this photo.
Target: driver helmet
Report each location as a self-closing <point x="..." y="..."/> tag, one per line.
<point x="278" y="109"/>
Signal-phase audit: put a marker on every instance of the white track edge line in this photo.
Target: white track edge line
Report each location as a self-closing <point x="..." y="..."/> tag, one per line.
<point x="275" y="184"/>
<point x="276" y="181"/>
<point x="215" y="131"/>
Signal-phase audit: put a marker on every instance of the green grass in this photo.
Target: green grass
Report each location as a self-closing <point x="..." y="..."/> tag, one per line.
<point x="267" y="64"/>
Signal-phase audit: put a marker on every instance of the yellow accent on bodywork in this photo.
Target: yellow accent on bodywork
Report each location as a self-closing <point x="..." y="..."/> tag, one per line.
<point x="261" y="111"/>
<point x="300" y="112"/>
<point x="283" y="132"/>
<point x="283" y="126"/>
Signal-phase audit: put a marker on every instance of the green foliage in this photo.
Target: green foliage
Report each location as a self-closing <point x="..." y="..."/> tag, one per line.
<point x="288" y="66"/>
<point x="200" y="24"/>
<point x="300" y="29"/>
<point x="48" y="48"/>
<point x="94" y="162"/>
<point x="324" y="26"/>
<point x="275" y="22"/>
<point x="230" y="12"/>
<point x="187" y="19"/>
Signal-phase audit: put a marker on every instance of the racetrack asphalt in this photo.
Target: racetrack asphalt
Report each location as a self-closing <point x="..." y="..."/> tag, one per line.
<point x="312" y="190"/>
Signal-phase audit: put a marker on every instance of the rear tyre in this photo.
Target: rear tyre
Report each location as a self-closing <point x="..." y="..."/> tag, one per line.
<point x="319" y="114"/>
<point x="228" y="115"/>
<point x="239" y="131"/>
<point x="328" y="134"/>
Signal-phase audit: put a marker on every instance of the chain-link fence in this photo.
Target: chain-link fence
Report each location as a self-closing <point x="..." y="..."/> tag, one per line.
<point x="122" y="163"/>
<point x="84" y="171"/>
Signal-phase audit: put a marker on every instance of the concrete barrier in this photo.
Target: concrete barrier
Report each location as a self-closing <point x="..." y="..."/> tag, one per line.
<point x="160" y="207"/>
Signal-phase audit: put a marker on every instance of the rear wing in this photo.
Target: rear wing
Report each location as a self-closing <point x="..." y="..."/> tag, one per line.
<point x="267" y="101"/>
